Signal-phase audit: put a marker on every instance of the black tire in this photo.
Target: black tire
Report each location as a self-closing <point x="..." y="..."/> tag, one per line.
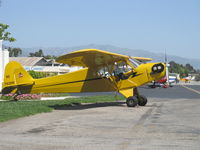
<point x="131" y="101"/>
<point x="142" y="100"/>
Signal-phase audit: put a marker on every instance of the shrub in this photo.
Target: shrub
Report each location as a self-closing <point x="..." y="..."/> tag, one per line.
<point x="37" y="75"/>
<point x="197" y="78"/>
<point x="21" y="97"/>
<point x="27" y="97"/>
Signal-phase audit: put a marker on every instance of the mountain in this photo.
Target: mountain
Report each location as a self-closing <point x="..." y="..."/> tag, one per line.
<point x="57" y="51"/>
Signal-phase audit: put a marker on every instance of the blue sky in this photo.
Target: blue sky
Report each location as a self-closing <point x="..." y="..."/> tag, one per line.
<point x="152" y="25"/>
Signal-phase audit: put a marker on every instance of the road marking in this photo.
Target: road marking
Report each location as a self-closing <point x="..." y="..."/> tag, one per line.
<point x="193" y="90"/>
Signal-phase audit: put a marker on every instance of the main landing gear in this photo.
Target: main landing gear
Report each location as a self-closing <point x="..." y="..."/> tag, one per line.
<point x="135" y="100"/>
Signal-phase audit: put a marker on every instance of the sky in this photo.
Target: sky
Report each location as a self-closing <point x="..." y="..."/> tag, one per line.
<point x="152" y="25"/>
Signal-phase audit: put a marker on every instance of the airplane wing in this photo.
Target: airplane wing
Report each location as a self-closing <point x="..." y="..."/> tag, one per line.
<point x="91" y="58"/>
<point x="143" y="59"/>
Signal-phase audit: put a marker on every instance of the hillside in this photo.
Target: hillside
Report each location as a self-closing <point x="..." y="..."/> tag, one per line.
<point x="57" y="51"/>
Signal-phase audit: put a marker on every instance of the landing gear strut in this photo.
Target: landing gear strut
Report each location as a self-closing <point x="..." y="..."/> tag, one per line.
<point x="137" y="99"/>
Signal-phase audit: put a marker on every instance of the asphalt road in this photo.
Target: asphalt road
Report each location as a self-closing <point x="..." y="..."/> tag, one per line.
<point x="177" y="91"/>
<point x="196" y="87"/>
<point x="169" y="121"/>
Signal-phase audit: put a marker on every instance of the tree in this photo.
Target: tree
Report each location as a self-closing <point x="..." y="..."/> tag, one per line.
<point x="5" y="35"/>
<point x="50" y="57"/>
<point x="190" y="68"/>
<point x="37" y="54"/>
<point x="14" y="52"/>
<point x="40" y="53"/>
<point x="17" y="52"/>
<point x="10" y="51"/>
<point x="197" y="78"/>
<point x="181" y="69"/>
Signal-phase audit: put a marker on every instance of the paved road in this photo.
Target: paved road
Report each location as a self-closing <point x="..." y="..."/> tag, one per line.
<point x="177" y="91"/>
<point x="165" y="123"/>
<point x="196" y="87"/>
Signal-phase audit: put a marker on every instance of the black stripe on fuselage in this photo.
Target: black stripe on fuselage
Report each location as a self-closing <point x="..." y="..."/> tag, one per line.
<point x="135" y="75"/>
<point x="93" y="79"/>
<point x="72" y="82"/>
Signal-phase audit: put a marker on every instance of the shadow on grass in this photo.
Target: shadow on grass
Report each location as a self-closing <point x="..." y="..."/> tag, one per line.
<point x="78" y="106"/>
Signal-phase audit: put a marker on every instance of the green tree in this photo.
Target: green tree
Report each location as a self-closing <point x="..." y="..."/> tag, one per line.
<point x="197" y="78"/>
<point x="181" y="69"/>
<point x="4" y="35"/>
<point x="40" y="53"/>
<point x="50" y="57"/>
<point x="14" y="52"/>
<point x="37" y="54"/>
<point x="190" y="68"/>
<point x="17" y="52"/>
<point x="10" y="52"/>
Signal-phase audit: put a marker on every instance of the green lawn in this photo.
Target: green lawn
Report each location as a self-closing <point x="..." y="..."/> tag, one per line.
<point x="12" y="109"/>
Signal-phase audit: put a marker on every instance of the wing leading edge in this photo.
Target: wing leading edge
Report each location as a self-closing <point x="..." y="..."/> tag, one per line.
<point x="91" y="58"/>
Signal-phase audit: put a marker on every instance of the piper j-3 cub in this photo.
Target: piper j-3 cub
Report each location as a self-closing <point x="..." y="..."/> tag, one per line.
<point x="102" y="72"/>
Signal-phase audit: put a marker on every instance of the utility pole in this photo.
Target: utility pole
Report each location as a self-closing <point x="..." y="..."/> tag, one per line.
<point x="167" y="69"/>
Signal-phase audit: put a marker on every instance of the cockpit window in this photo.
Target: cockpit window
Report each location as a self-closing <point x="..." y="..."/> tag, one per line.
<point x="118" y="68"/>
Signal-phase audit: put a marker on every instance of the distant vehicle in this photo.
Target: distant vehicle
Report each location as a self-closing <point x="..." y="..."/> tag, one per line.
<point x="186" y="79"/>
<point x="102" y="72"/>
<point x="163" y="82"/>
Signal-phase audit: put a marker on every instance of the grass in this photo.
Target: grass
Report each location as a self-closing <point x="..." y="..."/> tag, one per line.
<point x="6" y="97"/>
<point x="12" y="109"/>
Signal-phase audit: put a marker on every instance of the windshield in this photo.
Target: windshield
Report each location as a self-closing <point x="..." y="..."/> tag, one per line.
<point x="134" y="62"/>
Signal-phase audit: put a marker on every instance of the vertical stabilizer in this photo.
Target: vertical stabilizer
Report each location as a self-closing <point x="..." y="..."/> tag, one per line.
<point x="16" y="75"/>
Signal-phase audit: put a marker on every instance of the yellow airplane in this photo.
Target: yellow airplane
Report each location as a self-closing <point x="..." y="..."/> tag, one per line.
<point x="102" y="72"/>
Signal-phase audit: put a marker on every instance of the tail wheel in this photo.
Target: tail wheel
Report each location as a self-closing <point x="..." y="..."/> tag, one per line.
<point x="131" y="101"/>
<point x="15" y="98"/>
<point x="142" y="100"/>
<point x="17" y="94"/>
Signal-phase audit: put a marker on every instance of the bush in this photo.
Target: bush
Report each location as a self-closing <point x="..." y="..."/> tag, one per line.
<point x="37" y="75"/>
<point x="31" y="96"/>
<point x="197" y="78"/>
<point x="27" y="97"/>
<point x="20" y="97"/>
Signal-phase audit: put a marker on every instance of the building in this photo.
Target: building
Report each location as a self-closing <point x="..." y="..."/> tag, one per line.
<point x="40" y="64"/>
<point x="30" y="61"/>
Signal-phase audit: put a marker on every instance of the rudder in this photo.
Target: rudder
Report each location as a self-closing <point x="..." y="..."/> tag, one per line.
<point x="15" y="75"/>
